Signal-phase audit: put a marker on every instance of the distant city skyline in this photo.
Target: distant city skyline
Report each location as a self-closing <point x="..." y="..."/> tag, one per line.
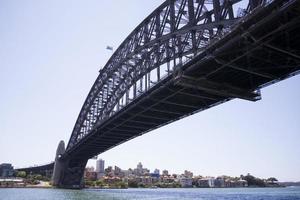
<point x="139" y="168"/>
<point x="141" y="176"/>
<point x="50" y="56"/>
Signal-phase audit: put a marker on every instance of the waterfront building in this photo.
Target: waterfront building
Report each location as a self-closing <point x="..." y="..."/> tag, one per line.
<point x="219" y="182"/>
<point x="109" y="171"/>
<point x="203" y="183"/>
<point x="242" y="183"/>
<point x="12" y="182"/>
<point x="90" y="174"/>
<point x="146" y="180"/>
<point x="206" y="182"/>
<point x="211" y="181"/>
<point x="140" y="171"/>
<point x="186" y="182"/>
<point x="119" y="172"/>
<point x="155" y="178"/>
<point x="167" y="179"/>
<point x="6" y="170"/>
<point x="128" y="173"/>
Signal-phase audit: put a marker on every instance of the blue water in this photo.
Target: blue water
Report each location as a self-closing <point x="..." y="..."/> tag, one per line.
<point x="291" y="193"/>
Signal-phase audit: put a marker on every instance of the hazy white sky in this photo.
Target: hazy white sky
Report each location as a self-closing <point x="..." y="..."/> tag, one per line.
<point x="50" y="54"/>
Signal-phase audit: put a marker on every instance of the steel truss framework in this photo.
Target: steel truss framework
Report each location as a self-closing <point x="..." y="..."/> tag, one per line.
<point x="187" y="56"/>
<point x="174" y="33"/>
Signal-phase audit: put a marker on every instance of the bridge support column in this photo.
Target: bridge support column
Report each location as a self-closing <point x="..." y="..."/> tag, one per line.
<point x="67" y="173"/>
<point x="58" y="165"/>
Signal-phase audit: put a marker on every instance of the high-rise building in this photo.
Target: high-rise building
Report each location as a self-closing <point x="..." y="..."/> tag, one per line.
<point x="100" y="168"/>
<point x="6" y="170"/>
<point x="139" y="169"/>
<point x="140" y="166"/>
<point x="119" y="172"/>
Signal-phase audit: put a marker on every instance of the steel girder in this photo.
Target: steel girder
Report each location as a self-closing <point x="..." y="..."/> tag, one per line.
<point x="173" y="34"/>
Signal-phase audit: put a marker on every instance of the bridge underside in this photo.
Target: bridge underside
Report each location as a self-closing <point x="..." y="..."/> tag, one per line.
<point x="261" y="50"/>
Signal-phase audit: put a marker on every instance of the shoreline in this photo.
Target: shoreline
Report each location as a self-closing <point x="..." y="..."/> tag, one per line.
<point x="96" y="188"/>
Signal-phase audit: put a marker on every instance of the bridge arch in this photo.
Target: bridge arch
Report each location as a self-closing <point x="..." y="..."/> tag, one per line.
<point x="174" y="33"/>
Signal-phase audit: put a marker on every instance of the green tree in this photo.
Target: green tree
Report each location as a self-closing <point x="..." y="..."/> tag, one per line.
<point x="132" y="184"/>
<point x="21" y="174"/>
<point x="100" y="183"/>
<point x="38" y="177"/>
<point x="123" y="185"/>
<point x="141" y="185"/>
<point x="253" y="181"/>
<point x="176" y="185"/>
<point x="89" y="183"/>
<point x="272" y="179"/>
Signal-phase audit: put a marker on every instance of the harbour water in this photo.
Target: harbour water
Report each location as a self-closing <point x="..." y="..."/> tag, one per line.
<point x="289" y="193"/>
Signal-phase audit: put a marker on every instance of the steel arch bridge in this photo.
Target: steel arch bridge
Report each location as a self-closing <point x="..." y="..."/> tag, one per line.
<point x="174" y="33"/>
<point x="185" y="57"/>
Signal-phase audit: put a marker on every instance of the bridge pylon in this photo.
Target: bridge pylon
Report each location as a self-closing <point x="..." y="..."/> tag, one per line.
<point x="67" y="173"/>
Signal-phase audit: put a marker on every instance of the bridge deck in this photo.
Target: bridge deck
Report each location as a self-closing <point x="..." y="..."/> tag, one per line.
<point x="45" y="170"/>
